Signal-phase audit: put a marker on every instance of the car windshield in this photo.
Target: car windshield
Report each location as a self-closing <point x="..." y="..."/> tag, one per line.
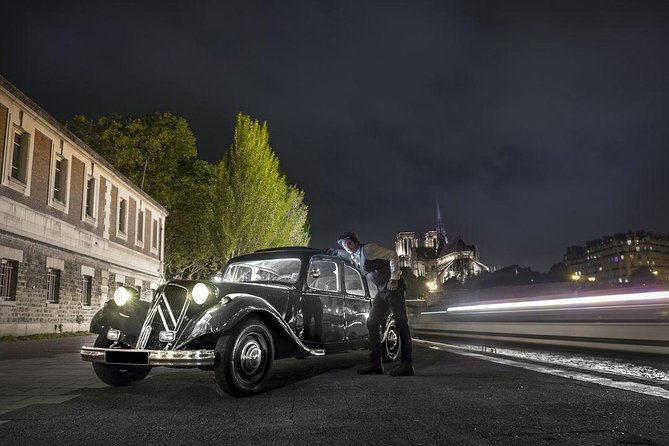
<point x="263" y="271"/>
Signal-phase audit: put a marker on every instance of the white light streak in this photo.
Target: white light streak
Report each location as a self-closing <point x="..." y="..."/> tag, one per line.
<point x="564" y="302"/>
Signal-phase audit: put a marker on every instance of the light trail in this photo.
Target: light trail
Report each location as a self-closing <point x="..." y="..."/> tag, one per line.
<point x="563" y="302"/>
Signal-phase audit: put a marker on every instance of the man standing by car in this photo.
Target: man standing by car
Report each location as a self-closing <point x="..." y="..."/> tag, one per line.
<point x="381" y="266"/>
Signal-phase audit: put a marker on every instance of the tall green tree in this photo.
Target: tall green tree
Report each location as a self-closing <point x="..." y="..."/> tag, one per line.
<point x="260" y="209"/>
<point x="157" y="152"/>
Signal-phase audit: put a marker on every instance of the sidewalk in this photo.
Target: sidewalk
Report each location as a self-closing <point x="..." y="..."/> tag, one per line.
<point x="47" y="371"/>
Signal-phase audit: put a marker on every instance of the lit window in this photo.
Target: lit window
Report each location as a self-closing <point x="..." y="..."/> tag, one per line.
<point x="53" y="285"/>
<point x="8" y="276"/>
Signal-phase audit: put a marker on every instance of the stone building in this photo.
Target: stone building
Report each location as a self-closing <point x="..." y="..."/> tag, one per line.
<point x="72" y="228"/>
<point x="438" y="260"/>
<point x="614" y="259"/>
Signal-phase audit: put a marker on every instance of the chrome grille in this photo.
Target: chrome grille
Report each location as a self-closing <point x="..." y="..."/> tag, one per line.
<point x="167" y="313"/>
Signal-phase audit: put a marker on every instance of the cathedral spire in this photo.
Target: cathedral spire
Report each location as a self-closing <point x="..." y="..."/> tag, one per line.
<point x="441" y="231"/>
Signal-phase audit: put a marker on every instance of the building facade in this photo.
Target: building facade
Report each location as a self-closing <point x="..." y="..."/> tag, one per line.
<point x="615" y="259"/>
<point x="436" y="262"/>
<point x="72" y="228"/>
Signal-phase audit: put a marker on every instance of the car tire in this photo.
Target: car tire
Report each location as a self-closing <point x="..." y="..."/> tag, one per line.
<point x="390" y="339"/>
<point x="244" y="358"/>
<point x="117" y="375"/>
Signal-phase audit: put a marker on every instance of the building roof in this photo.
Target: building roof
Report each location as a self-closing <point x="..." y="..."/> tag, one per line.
<point x="4" y="83"/>
<point x="457" y="246"/>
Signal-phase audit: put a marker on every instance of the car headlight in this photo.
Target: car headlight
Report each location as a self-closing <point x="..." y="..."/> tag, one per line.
<point x="121" y="296"/>
<point x="200" y="293"/>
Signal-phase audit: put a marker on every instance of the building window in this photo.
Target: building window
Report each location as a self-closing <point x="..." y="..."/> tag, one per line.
<point x="20" y="157"/>
<point x="90" y="198"/>
<point x="154" y="234"/>
<point x="140" y="226"/>
<point x="53" y="285"/>
<point x="8" y="277"/>
<point x="122" y="215"/>
<point x="86" y="286"/>
<point x="60" y="180"/>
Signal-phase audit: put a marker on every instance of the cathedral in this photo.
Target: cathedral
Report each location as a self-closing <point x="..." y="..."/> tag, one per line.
<point x="435" y="258"/>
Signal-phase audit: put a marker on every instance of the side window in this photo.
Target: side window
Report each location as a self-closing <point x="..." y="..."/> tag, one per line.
<point x="323" y="275"/>
<point x="140" y="227"/>
<point x="154" y="235"/>
<point x="122" y="215"/>
<point x="53" y="285"/>
<point x="59" y="192"/>
<point x="86" y="287"/>
<point x="8" y="274"/>
<point x="20" y="147"/>
<point x="90" y="198"/>
<point x="353" y="281"/>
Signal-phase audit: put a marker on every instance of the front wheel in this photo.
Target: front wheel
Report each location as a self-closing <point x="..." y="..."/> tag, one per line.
<point x="244" y="358"/>
<point x="117" y="375"/>
<point x="390" y="339"/>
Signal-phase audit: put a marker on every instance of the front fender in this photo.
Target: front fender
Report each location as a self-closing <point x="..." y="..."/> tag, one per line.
<point x="232" y="309"/>
<point x="129" y="318"/>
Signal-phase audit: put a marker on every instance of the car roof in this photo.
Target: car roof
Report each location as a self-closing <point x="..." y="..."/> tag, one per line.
<point x="301" y="252"/>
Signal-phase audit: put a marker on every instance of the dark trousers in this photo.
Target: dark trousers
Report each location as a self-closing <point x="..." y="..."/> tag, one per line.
<point x="396" y="302"/>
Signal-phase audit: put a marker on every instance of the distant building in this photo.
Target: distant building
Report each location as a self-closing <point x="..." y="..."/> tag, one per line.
<point x="615" y="258"/>
<point x="72" y="228"/>
<point x="437" y="260"/>
<point x="405" y="245"/>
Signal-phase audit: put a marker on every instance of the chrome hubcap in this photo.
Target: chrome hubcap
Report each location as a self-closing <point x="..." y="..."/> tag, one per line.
<point x="392" y="339"/>
<point x="250" y="357"/>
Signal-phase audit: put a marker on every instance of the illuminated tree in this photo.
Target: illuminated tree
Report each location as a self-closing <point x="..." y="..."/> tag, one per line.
<point x="260" y="209"/>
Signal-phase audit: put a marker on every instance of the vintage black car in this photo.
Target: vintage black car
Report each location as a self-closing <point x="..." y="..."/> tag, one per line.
<point x="272" y="304"/>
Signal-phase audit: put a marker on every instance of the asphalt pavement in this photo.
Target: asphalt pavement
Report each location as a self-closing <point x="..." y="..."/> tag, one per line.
<point x="49" y="396"/>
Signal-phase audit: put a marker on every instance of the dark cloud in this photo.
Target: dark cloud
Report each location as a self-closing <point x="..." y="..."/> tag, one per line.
<point x="536" y="124"/>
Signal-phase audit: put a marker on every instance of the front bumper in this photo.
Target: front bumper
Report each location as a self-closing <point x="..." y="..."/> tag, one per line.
<point x="151" y="358"/>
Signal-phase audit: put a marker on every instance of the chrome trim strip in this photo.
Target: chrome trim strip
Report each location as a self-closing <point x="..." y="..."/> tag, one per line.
<point x="162" y="317"/>
<point x="171" y="314"/>
<point x="174" y="358"/>
<point x="147" y="328"/>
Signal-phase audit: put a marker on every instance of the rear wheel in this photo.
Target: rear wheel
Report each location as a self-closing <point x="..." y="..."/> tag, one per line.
<point x="244" y="358"/>
<point x="390" y="339"/>
<point x="117" y="375"/>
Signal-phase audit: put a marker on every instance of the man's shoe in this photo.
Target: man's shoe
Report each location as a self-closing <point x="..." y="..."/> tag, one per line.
<point x="406" y="369"/>
<point x="375" y="368"/>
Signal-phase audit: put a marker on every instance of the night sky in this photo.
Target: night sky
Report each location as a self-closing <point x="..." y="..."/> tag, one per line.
<point x="537" y="126"/>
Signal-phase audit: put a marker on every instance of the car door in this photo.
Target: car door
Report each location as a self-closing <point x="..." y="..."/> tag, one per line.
<point x="322" y="305"/>
<point x="356" y="305"/>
